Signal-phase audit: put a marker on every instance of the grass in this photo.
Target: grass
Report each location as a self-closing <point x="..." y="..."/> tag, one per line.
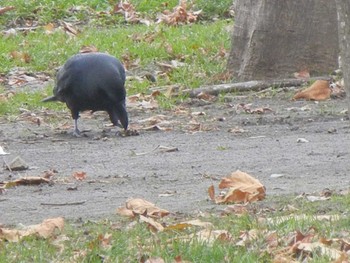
<point x="134" y="242"/>
<point x="142" y="45"/>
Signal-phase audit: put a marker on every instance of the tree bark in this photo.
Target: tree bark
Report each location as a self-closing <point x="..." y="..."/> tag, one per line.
<point x="343" y="9"/>
<point x="274" y="38"/>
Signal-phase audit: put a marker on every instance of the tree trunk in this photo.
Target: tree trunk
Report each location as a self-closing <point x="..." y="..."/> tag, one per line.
<point x="274" y="38"/>
<point x="343" y="8"/>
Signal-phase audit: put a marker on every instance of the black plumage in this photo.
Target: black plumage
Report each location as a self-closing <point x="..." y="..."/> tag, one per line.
<point x="92" y="81"/>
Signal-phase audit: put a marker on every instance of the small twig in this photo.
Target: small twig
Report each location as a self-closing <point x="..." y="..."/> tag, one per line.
<point x="253" y="85"/>
<point x="6" y="164"/>
<point x="144" y="153"/>
<point x="160" y="147"/>
<point x="63" y="204"/>
<point x="5" y="9"/>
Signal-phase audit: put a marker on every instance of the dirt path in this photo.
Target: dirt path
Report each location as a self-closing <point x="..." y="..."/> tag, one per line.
<point x="119" y="168"/>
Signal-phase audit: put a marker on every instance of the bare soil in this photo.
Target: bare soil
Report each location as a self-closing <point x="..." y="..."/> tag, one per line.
<point x="267" y="146"/>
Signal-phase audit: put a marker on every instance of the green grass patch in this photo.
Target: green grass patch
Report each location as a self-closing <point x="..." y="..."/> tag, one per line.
<point x="195" y="47"/>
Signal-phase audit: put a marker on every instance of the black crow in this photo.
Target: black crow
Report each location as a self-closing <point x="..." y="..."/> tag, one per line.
<point x="92" y="81"/>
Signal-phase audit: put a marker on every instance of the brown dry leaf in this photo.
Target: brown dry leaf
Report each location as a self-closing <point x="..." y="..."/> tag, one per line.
<point x="156" y="128"/>
<point x="198" y="113"/>
<point x="284" y="258"/>
<point x="247" y="108"/>
<point x="6" y="9"/>
<point x="236" y="209"/>
<point x="319" y="90"/>
<point x="260" y="110"/>
<point x="179" y="226"/>
<point x="180" y="15"/>
<point x="242" y="188"/>
<point x="210" y="236"/>
<point x="155" y="260"/>
<point x="222" y="77"/>
<point x="123" y="211"/>
<point x="154" y="119"/>
<point x="49" y="28"/>
<point x="271" y="239"/>
<point x="46" y="229"/>
<point x="211" y="192"/>
<point x="88" y="49"/>
<point x="154" y="226"/>
<point x="23" y="56"/>
<point x="138" y="206"/>
<point x="206" y="97"/>
<point x="126" y="9"/>
<point x="4" y="97"/>
<point x="142" y="101"/>
<point x="29" y="180"/>
<point x="344" y="258"/>
<point x="303" y="74"/>
<point x="105" y="240"/>
<point x="70" y="29"/>
<point x="304" y="246"/>
<point x="247" y="237"/>
<point x="321" y="249"/>
<point x="237" y="130"/>
<point x="80" y="176"/>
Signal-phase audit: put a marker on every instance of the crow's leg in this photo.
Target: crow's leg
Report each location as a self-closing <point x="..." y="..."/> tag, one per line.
<point x="75" y="116"/>
<point x="76" y="132"/>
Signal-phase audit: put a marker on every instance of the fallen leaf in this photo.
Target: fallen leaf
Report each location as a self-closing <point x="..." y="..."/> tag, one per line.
<point x="45" y="230"/>
<point x="105" y="240"/>
<point x="246" y="237"/>
<point x="23" y="56"/>
<point x="190" y="223"/>
<point x="88" y="49"/>
<point x="242" y="188"/>
<point x="210" y="236"/>
<point x="211" y="192"/>
<point x="303" y="74"/>
<point x="49" y="28"/>
<point x="138" y="206"/>
<point x="206" y="97"/>
<point x="319" y="90"/>
<point x="198" y="113"/>
<point x="123" y="211"/>
<point x="126" y="9"/>
<point x="155" y="226"/>
<point x="80" y="176"/>
<point x="69" y="29"/>
<point x="237" y="130"/>
<point x="179" y="15"/>
<point x="155" y="260"/>
<point x="236" y="209"/>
